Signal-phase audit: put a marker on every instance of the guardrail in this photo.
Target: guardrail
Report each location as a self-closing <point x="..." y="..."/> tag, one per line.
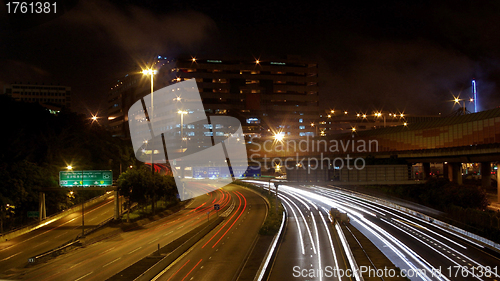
<point x="55" y="252"/>
<point x="455" y="230"/>
<point x="348" y="252"/>
<point x="25" y="229"/>
<point x="264" y="268"/>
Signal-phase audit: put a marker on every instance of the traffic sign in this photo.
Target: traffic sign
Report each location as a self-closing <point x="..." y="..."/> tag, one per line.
<point x="216" y="206"/>
<point x="33" y="214"/>
<point x="85" y="178"/>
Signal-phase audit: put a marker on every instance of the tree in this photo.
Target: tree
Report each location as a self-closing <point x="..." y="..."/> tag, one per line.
<point x="140" y="186"/>
<point x="134" y="185"/>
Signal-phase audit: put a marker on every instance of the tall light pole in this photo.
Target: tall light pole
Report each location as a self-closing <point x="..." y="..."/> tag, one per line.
<point x="379" y="114"/>
<point x="457" y="101"/>
<point x="151" y="73"/>
<point x="279" y="137"/>
<point x="182" y="112"/>
<point x="83" y="210"/>
<point x="316" y="134"/>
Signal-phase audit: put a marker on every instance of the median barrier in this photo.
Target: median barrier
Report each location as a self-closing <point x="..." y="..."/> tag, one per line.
<point x="265" y="269"/>
<point x="194" y="236"/>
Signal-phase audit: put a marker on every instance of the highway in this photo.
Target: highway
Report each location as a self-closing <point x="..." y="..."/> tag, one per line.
<point x="14" y="253"/>
<point x="309" y="249"/>
<point x="421" y="249"/>
<point x="221" y="254"/>
<point x="104" y="259"/>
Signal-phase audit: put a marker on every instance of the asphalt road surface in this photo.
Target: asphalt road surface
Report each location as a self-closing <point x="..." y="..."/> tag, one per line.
<point x="221" y="254"/>
<point x="104" y="259"/>
<point x="421" y="249"/>
<point x="14" y="253"/>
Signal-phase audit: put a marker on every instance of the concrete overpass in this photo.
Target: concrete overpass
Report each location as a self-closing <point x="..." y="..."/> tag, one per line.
<point x="471" y="138"/>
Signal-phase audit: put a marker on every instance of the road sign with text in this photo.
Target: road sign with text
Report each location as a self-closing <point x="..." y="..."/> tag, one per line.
<point x="86" y="178"/>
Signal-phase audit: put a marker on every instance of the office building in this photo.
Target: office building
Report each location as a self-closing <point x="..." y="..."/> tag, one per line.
<point x="52" y="97"/>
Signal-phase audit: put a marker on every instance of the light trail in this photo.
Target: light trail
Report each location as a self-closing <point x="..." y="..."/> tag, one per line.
<point x="297" y="223"/>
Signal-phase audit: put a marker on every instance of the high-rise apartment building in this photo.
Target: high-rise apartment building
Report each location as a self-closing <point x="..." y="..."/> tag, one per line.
<point x="267" y="96"/>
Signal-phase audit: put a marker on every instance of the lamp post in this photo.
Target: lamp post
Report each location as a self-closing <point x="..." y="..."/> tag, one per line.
<point x="316" y="134"/>
<point x="279" y="137"/>
<point x="182" y="112"/>
<point x="457" y="101"/>
<point x="378" y="114"/>
<point x="151" y="72"/>
<point x="83" y="210"/>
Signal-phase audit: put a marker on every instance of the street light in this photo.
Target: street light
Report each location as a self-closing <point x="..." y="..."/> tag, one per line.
<point x="316" y="134"/>
<point x="279" y="136"/>
<point x="379" y="114"/>
<point x="151" y="72"/>
<point x="69" y="167"/>
<point x="182" y="112"/>
<point x="457" y="101"/>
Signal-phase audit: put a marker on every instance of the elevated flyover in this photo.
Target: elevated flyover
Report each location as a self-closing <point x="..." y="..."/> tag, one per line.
<point x="470" y="138"/>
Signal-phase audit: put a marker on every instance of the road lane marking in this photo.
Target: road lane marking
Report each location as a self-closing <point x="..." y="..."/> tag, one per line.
<point x="134" y="250"/>
<point x="153" y="241"/>
<point x="111" y="262"/>
<point x="40" y="244"/>
<point x="75" y="265"/>
<point x="11" y="256"/>
<point x="107" y="250"/>
<point x="84" y="276"/>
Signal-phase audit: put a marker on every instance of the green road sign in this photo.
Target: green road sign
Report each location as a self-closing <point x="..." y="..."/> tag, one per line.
<point x="33" y="214"/>
<point x="86" y="178"/>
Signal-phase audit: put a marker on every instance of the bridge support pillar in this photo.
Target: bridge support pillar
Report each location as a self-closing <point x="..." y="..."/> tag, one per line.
<point x="450" y="171"/>
<point x="455" y="172"/>
<point x="485" y="175"/>
<point x="427" y="170"/>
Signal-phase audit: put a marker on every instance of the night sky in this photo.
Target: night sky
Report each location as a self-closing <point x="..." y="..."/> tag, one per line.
<point x="410" y="56"/>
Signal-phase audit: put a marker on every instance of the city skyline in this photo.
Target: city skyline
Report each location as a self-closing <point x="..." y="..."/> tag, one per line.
<point x="395" y="56"/>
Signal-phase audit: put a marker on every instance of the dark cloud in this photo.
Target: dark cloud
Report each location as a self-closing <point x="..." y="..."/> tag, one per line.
<point x="95" y="43"/>
<point x="416" y="76"/>
<point x="392" y="55"/>
<point x="139" y="31"/>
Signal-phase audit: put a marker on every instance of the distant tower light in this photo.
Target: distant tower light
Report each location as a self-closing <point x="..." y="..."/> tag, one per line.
<point x="474" y="92"/>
